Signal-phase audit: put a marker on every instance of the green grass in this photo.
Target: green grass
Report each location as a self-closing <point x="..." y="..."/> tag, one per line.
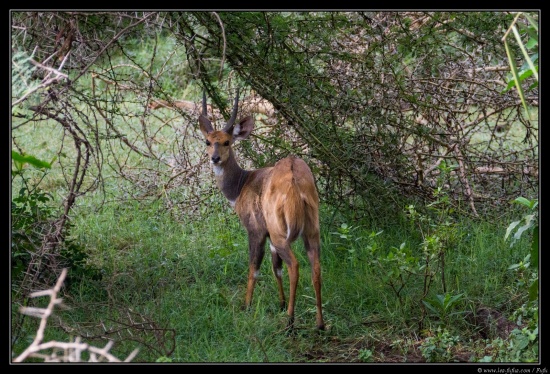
<point x="188" y="279"/>
<point x="172" y="283"/>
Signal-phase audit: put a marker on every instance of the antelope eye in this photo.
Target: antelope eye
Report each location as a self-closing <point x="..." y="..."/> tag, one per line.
<point x="226" y="143"/>
<point x="208" y="143"/>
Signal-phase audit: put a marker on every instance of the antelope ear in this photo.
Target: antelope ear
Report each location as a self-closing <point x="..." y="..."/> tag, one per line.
<point x="205" y="125"/>
<point x="242" y="129"/>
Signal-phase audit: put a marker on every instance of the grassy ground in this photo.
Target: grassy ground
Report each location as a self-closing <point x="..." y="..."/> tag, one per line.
<point x="173" y="286"/>
<point x="175" y="290"/>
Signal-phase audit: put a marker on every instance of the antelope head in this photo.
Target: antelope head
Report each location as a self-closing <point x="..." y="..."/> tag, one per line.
<point x="219" y="142"/>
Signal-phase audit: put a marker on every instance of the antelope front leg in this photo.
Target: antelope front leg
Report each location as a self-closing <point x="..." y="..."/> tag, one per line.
<point x="256" y="248"/>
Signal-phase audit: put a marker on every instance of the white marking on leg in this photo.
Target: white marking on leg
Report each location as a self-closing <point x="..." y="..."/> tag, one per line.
<point x="256" y="274"/>
<point x="272" y="248"/>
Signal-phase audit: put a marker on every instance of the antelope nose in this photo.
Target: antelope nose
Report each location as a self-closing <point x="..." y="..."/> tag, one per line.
<point x="215" y="159"/>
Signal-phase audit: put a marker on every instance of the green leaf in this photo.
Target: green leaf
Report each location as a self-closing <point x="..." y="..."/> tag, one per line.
<point x="523" y="201"/>
<point x="524" y="74"/>
<point x="441" y="299"/>
<point x="534" y="290"/>
<point x="454" y="299"/>
<point x="521" y="342"/>
<point x="533" y="85"/>
<point x="17" y="157"/>
<point x="532" y="21"/>
<point x="30" y="160"/>
<point x="532" y="42"/>
<point x="524" y="51"/>
<point x="511" y="83"/>
<point x="510" y="228"/>
<point x="513" y="68"/>
<point x="522" y="229"/>
<point x="430" y="307"/>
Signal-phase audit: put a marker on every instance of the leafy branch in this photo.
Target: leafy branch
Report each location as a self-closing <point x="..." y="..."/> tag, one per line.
<point x="529" y="69"/>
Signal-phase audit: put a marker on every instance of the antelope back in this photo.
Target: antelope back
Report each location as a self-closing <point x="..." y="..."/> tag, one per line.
<point x="290" y="200"/>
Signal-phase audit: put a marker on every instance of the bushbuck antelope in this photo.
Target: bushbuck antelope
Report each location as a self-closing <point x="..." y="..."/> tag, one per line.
<point x="278" y="203"/>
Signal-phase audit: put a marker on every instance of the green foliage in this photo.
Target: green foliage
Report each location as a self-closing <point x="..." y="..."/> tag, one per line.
<point x="401" y="267"/>
<point x="30" y="214"/>
<point x="20" y="160"/>
<point x="442" y="305"/>
<point x="365" y="355"/>
<point x="523" y="343"/>
<point x="31" y="210"/>
<point x="439" y="231"/>
<point x="76" y="258"/>
<point x="314" y="99"/>
<point x="529" y="49"/>
<point x="528" y="268"/>
<point x="439" y="347"/>
<point x="396" y="267"/>
<point x="349" y="241"/>
<point x="521" y="346"/>
<point x="190" y="276"/>
<point x="530" y="221"/>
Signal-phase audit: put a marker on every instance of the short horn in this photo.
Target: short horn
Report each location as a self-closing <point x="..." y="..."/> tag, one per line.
<point x="234" y="113"/>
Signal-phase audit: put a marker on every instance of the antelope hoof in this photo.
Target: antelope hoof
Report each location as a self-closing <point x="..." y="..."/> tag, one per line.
<point x="290" y="330"/>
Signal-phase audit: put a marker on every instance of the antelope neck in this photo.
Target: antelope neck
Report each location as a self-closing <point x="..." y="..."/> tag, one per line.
<point x="230" y="178"/>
